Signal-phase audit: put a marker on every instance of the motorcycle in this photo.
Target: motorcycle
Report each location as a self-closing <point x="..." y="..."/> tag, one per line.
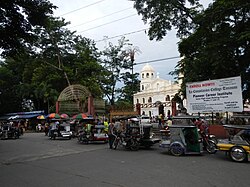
<point x="209" y="142"/>
<point x="128" y="141"/>
<point x="83" y="137"/>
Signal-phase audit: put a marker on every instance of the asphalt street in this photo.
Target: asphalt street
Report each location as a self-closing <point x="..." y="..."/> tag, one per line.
<point x="35" y="160"/>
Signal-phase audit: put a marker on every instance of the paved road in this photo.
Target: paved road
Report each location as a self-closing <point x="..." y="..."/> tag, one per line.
<point x="34" y="160"/>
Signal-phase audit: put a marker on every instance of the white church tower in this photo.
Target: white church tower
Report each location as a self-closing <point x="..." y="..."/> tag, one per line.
<point x="154" y="91"/>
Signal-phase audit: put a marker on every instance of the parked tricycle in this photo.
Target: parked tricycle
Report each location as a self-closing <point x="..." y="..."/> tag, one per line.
<point x="95" y="133"/>
<point x="8" y="131"/>
<point x="183" y="140"/>
<point x="62" y="131"/>
<point x="136" y="135"/>
<point x="237" y="146"/>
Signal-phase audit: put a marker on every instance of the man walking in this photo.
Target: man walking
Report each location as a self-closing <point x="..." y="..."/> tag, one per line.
<point x="111" y="133"/>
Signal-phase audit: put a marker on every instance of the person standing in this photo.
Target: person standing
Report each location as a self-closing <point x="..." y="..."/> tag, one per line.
<point x="111" y="133"/>
<point x="106" y="126"/>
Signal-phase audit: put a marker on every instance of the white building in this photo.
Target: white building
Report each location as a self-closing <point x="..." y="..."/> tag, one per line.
<point x="154" y="91"/>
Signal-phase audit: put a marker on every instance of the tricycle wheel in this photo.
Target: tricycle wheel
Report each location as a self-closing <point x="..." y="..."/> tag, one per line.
<point x="147" y="146"/>
<point x="115" y="144"/>
<point x="211" y="147"/>
<point x="238" y="154"/>
<point x="176" y="149"/>
<point x="134" y="145"/>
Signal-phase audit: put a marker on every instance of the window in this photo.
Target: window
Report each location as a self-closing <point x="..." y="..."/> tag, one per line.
<point x="142" y="75"/>
<point x="150" y="99"/>
<point x="143" y="100"/>
<point x="167" y="98"/>
<point x="142" y="87"/>
<point x="147" y="75"/>
<point x="137" y="100"/>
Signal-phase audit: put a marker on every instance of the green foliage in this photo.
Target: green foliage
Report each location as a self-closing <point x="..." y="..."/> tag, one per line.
<point x="219" y="47"/>
<point x="117" y="63"/>
<point x="17" y="18"/>
<point x="164" y="15"/>
<point x="214" y="42"/>
<point x="58" y="58"/>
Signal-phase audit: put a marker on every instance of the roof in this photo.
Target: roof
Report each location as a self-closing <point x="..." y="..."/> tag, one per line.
<point x="147" y="68"/>
<point x="25" y="116"/>
<point x="237" y="127"/>
<point x="182" y="126"/>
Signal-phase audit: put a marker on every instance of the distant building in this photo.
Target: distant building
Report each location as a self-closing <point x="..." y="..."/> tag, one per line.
<point x="154" y="92"/>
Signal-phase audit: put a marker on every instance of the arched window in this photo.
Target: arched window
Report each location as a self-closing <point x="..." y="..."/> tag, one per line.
<point x="137" y="100"/>
<point x="152" y="75"/>
<point x="150" y="99"/>
<point x="147" y="75"/>
<point x="142" y="87"/>
<point x="167" y="98"/>
<point x="142" y="75"/>
<point x="143" y="100"/>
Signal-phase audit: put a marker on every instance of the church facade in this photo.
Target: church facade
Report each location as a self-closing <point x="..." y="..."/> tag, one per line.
<point x="154" y="92"/>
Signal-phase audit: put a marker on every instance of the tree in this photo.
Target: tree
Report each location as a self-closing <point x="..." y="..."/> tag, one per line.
<point x="17" y="19"/>
<point x="220" y="46"/>
<point x="43" y="70"/>
<point x="163" y="16"/>
<point x="116" y="65"/>
<point x="214" y="42"/>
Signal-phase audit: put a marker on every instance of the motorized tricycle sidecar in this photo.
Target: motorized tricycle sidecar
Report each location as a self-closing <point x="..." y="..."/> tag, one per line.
<point x="183" y="140"/>
<point x="96" y="134"/>
<point x="63" y="132"/>
<point x="237" y="146"/>
<point x="8" y="131"/>
<point x="145" y="131"/>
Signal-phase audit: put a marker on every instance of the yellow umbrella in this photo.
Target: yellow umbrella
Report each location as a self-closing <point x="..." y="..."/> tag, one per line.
<point x="41" y="117"/>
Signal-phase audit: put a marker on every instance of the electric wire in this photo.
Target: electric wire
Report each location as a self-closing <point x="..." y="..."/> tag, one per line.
<point x="125" y="34"/>
<point x="107" y="23"/>
<point x="82" y="8"/>
<point x="101" y="17"/>
<point x="157" y="60"/>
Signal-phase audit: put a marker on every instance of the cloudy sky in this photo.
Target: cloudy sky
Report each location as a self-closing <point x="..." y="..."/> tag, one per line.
<point x="102" y="19"/>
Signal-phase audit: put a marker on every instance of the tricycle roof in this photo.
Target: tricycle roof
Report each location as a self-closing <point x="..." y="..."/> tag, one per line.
<point x="247" y="127"/>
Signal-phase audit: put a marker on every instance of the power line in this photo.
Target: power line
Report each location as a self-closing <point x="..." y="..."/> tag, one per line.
<point x="157" y="60"/>
<point x="102" y="17"/>
<point x="121" y="35"/>
<point x="82" y="8"/>
<point x="107" y="23"/>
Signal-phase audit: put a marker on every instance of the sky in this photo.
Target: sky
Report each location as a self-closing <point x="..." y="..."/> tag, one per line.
<point x="102" y="19"/>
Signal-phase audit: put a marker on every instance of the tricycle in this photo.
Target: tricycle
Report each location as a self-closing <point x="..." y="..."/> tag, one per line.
<point x="94" y="133"/>
<point x="237" y="146"/>
<point x="183" y="140"/>
<point x="136" y="135"/>
<point x="185" y="137"/>
<point x="62" y="131"/>
<point x="8" y="131"/>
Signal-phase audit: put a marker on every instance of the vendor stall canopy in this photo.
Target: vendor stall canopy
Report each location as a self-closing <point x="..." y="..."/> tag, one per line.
<point x="22" y="115"/>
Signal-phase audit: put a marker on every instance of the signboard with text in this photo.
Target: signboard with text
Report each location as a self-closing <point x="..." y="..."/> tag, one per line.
<point x="220" y="95"/>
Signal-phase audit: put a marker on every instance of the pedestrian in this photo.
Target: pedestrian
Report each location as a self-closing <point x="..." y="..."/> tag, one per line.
<point x="106" y="126"/>
<point x="111" y="134"/>
<point x="160" y="121"/>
